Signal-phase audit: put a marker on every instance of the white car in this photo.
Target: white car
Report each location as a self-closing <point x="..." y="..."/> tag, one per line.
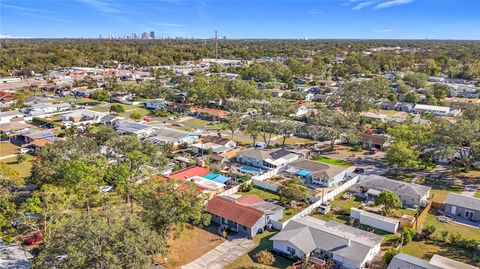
<point x="25" y="150"/>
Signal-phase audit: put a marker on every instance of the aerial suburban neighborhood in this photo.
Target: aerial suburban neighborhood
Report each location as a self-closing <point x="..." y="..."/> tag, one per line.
<point x="166" y="152"/>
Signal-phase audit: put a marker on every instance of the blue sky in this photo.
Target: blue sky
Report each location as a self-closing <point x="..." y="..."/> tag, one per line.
<point x="390" y="19"/>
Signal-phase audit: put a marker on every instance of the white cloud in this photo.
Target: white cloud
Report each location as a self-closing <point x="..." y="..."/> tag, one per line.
<point x="102" y="6"/>
<point x="388" y="30"/>
<point x="363" y="5"/>
<point x="11" y="36"/>
<point x="392" y="3"/>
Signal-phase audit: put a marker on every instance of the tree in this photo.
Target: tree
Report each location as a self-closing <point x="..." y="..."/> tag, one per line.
<point x="251" y="127"/>
<point x="333" y="124"/>
<point x="105" y="239"/>
<point x="401" y="155"/>
<point x="407" y="235"/>
<point x="472" y="112"/>
<point x="361" y="96"/>
<point x="411" y="97"/>
<point x="117" y="108"/>
<point x="232" y="123"/>
<point x="21" y="158"/>
<point x="389" y="200"/>
<point x="389" y="254"/>
<point x="286" y="128"/>
<point x="428" y="230"/>
<point x="292" y="189"/>
<point x="440" y="91"/>
<point x="9" y="180"/>
<point x="100" y="95"/>
<point x="169" y="204"/>
<point x="265" y="257"/>
<point x="417" y="80"/>
<point x="136" y="115"/>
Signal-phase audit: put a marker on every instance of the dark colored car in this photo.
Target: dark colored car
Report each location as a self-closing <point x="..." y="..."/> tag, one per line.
<point x="359" y="170"/>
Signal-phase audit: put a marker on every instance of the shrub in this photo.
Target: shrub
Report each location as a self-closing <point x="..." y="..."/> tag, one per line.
<point x="407" y="235"/>
<point x="428" y="230"/>
<point x="265" y="257"/>
<point x="389" y="254"/>
<point x="444" y="235"/>
<point x="246" y="187"/>
<point x="136" y="115"/>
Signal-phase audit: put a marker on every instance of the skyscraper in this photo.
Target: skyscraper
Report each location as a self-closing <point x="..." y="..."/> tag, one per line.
<point x="144" y="35"/>
<point x="152" y="34"/>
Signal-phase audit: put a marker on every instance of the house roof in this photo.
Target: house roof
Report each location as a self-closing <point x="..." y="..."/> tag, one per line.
<point x="316" y="168"/>
<point x="404" y="261"/>
<point x="169" y="135"/>
<point x="131" y="126"/>
<point x="190" y="172"/>
<point x="373" y="139"/>
<point x="11" y="113"/>
<point x="265" y="154"/>
<point x="446" y="263"/>
<point x="42" y="142"/>
<point x="340" y="239"/>
<point x="248" y="199"/>
<point x="13" y="126"/>
<point x="211" y="111"/>
<point x="229" y="209"/>
<point x="216" y="140"/>
<point x="382" y="183"/>
<point x="463" y="201"/>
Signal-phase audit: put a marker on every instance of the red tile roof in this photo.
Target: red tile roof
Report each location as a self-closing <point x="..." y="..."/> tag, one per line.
<point x="190" y="172"/>
<point x="248" y="199"/>
<point x="230" y="210"/>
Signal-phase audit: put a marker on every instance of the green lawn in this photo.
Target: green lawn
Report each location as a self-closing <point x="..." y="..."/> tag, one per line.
<point x="24" y="169"/>
<point x="426" y="249"/>
<point x="264" y="243"/>
<point x="477" y="194"/>
<point x="296" y="140"/>
<point x="288" y="213"/>
<point x="332" y="161"/>
<point x="465" y="231"/>
<point x="7" y="148"/>
<point x="197" y="122"/>
<point x="264" y="194"/>
<point x="242" y="140"/>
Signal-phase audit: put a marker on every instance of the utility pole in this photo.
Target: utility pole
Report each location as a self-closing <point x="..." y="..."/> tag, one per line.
<point x="216" y="44"/>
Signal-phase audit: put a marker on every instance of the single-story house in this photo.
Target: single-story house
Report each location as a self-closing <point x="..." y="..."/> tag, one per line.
<point x="217" y="144"/>
<point x="44" y="109"/>
<point x="316" y="172"/>
<point x="31" y="135"/>
<point x="411" y="194"/>
<point x="434" y="110"/>
<point x="462" y="206"/>
<point x="374" y="141"/>
<point x="266" y="159"/>
<point x="246" y="214"/>
<point x="13" y="128"/>
<point x="209" y="113"/>
<point x="9" y="116"/>
<point x="171" y="136"/>
<point x="347" y="246"/>
<point x="405" y="261"/>
<point x="82" y="117"/>
<point x="190" y="172"/>
<point x="128" y="127"/>
<point x="156" y="104"/>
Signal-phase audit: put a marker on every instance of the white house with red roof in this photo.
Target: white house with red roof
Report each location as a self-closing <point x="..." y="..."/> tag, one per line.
<point x="247" y="214"/>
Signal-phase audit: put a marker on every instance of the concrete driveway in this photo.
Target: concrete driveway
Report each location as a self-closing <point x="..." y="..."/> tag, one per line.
<point x="222" y="255"/>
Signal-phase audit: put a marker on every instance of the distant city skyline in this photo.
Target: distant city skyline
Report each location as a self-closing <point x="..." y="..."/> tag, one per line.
<point x="331" y="19"/>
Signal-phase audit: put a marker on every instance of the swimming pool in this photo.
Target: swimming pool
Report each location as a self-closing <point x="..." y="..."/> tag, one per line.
<point x="250" y="170"/>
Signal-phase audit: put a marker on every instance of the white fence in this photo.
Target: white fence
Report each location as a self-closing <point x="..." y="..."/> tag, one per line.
<point x="329" y="196"/>
<point x="258" y="179"/>
<point x="266" y="175"/>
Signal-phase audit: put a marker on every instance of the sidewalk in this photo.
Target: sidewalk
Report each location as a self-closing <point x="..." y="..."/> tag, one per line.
<point x="222" y="255"/>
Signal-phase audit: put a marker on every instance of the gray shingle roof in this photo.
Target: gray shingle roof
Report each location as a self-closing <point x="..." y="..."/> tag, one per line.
<point x="340" y="239"/>
<point x="399" y="187"/>
<point x="463" y="201"/>
<point x="404" y="261"/>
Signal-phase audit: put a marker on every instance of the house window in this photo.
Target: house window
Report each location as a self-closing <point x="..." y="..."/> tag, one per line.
<point x="290" y="250"/>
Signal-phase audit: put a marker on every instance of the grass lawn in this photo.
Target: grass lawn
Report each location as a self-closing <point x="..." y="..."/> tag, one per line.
<point x="143" y="111"/>
<point x="264" y="194"/>
<point x="197" y="122"/>
<point x="7" y="148"/>
<point x="242" y="140"/>
<point x="24" y="168"/>
<point x="332" y="161"/>
<point x="288" y="213"/>
<point x="426" y="249"/>
<point x="296" y="140"/>
<point x="192" y="243"/>
<point x="465" y="231"/>
<point x="264" y="243"/>
<point x="100" y="109"/>
<point x="477" y="194"/>
<point x="342" y="207"/>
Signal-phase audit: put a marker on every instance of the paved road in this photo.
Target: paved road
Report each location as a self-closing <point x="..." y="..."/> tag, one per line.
<point x="222" y="255"/>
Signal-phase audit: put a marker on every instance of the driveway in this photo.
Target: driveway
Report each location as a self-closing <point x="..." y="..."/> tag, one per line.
<point x="222" y="255"/>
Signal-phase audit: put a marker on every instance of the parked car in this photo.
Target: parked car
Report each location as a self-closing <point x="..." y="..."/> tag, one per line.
<point x="25" y="150"/>
<point x="34" y="238"/>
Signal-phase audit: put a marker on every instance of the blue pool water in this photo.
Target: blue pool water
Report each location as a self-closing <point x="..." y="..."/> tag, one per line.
<point x="250" y="170"/>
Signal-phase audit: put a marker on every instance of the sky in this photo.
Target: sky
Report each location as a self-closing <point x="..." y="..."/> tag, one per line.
<point x="320" y="19"/>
